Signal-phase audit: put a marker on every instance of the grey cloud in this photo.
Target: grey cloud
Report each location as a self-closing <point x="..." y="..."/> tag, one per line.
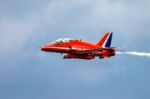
<point x="28" y="25"/>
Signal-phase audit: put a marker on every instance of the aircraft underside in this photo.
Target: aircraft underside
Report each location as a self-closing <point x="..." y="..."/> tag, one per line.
<point x="88" y="57"/>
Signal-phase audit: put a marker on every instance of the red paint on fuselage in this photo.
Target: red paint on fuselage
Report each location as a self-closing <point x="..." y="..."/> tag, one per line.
<point x="75" y="46"/>
<point x="80" y="49"/>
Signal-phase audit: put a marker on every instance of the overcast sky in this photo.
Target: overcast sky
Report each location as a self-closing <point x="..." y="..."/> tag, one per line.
<point x="28" y="73"/>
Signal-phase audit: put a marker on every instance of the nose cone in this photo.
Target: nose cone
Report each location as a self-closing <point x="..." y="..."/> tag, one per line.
<point x="43" y="48"/>
<point x="47" y="48"/>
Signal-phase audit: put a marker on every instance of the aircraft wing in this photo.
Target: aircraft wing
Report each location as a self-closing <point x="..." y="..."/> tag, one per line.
<point x="94" y="50"/>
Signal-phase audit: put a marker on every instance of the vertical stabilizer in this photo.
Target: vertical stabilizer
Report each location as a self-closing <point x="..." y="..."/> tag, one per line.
<point x="106" y="40"/>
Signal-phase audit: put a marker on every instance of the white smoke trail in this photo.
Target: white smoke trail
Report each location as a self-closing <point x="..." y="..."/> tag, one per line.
<point x="119" y="52"/>
<point x="141" y="54"/>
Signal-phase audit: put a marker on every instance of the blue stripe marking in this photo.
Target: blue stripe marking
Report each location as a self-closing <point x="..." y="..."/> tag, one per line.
<point x="108" y="43"/>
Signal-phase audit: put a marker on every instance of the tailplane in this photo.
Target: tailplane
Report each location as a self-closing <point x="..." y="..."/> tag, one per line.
<point x="106" y="40"/>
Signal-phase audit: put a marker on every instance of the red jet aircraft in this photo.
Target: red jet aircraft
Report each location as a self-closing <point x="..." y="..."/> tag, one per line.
<point x="74" y="48"/>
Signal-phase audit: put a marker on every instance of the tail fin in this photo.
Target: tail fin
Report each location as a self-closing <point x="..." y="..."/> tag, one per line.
<point x="106" y="40"/>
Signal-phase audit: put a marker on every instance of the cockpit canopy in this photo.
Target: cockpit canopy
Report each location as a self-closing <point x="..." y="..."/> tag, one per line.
<point x="61" y="41"/>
